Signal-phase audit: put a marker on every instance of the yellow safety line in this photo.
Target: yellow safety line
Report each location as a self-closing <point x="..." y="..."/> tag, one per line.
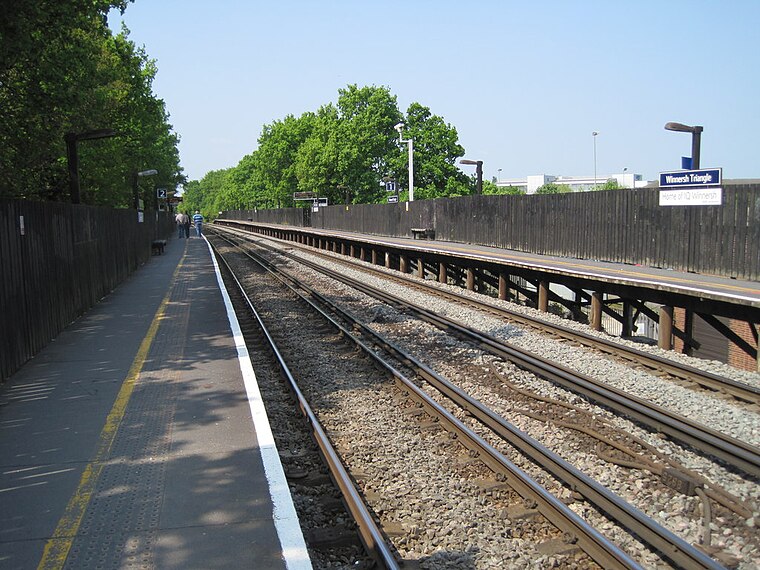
<point x="58" y="546"/>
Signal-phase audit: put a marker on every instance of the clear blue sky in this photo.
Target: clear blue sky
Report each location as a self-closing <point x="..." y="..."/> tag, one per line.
<point x="524" y="83"/>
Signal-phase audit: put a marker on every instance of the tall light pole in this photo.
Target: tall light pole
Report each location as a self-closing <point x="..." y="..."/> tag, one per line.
<point x="136" y="175"/>
<point x="696" y="139"/>
<point x="478" y="174"/>
<point x="72" y="156"/>
<point x="594" y="135"/>
<point x="400" y="127"/>
<point x="498" y="177"/>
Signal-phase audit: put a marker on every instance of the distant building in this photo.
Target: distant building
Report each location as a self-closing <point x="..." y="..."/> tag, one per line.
<point x="530" y="184"/>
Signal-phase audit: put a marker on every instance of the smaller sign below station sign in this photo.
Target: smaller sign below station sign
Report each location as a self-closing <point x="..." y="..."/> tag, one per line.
<point x="692" y="197"/>
<point x="393" y="199"/>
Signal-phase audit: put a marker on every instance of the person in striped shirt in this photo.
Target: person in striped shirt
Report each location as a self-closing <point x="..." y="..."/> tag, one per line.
<point x="198" y="222"/>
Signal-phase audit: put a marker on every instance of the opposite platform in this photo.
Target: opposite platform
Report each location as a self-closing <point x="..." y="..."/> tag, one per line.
<point x="129" y="441"/>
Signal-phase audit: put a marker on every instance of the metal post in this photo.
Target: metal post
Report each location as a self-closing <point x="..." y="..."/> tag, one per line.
<point x="411" y="170"/>
<point x="470" y="279"/>
<point x="696" y="141"/>
<point x="72" y="158"/>
<point x="441" y="272"/>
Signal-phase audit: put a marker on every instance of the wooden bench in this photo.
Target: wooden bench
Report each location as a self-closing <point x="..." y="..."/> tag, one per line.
<point x="423" y="233"/>
<point x="158" y="246"/>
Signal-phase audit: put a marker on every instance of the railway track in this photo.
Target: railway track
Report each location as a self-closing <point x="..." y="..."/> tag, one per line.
<point x="732" y="451"/>
<point x="659" y="538"/>
<point x="701" y="378"/>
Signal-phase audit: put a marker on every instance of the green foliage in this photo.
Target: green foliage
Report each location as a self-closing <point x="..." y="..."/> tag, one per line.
<point x="61" y="71"/>
<point x="210" y="195"/>
<point x="611" y="184"/>
<point x="491" y="189"/>
<point x="344" y="151"/>
<point x="553" y="188"/>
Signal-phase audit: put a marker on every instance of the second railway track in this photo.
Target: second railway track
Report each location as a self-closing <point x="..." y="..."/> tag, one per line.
<point x="679" y="558"/>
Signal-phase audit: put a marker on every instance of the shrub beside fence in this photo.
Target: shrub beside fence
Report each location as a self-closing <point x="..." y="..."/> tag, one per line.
<point x="61" y="262"/>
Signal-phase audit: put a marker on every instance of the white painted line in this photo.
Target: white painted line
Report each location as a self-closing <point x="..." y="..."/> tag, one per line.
<point x="285" y="517"/>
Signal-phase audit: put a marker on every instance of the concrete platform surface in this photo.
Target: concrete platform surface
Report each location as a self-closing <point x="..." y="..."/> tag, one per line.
<point x="135" y="439"/>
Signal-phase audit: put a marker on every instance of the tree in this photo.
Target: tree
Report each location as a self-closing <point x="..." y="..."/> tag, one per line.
<point x="611" y="184"/>
<point x="62" y="70"/>
<point x="490" y="188"/>
<point x="345" y="151"/>
<point x="436" y="149"/>
<point x="553" y="188"/>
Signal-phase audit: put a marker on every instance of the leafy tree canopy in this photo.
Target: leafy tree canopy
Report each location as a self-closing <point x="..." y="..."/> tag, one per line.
<point x="345" y="151"/>
<point x="553" y="188"/>
<point x="63" y="71"/>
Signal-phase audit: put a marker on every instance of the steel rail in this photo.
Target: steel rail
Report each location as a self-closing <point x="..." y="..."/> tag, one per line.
<point x="709" y="380"/>
<point x="603" y="551"/>
<point x="673" y="547"/>
<point x="371" y="536"/>
<point x="734" y="452"/>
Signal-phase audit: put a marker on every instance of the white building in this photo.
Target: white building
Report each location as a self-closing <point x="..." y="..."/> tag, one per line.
<point x="530" y="184"/>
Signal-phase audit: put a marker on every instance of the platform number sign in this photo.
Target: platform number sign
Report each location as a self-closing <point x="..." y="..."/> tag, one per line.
<point x="160" y="192"/>
<point x="390" y="186"/>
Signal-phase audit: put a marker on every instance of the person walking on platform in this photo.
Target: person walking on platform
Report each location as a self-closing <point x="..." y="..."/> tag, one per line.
<point x="183" y="223"/>
<point x="198" y="221"/>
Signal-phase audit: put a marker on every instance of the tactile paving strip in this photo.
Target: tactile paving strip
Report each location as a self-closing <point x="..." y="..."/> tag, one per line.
<point x="120" y="526"/>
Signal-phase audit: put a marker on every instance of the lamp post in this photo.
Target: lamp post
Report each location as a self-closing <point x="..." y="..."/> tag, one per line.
<point x="696" y="139"/>
<point x="594" y="134"/>
<point x="478" y="173"/>
<point x="136" y="175"/>
<point x="400" y="127"/>
<point x="498" y="176"/>
<point x="72" y="156"/>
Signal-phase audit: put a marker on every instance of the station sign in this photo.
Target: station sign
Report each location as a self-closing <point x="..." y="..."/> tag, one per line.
<point x="304" y="195"/>
<point x="687" y="178"/>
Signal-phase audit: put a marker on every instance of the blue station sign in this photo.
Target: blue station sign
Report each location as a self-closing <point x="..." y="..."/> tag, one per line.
<point x="684" y="178"/>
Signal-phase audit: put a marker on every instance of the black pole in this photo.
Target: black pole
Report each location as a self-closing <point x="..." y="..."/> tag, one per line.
<point x="135" y="193"/>
<point x="72" y="159"/>
<point x="696" y="141"/>
<point x="479" y="174"/>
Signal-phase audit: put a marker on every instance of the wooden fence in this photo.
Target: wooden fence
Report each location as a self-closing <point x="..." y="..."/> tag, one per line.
<point x="56" y="261"/>
<point x="624" y="226"/>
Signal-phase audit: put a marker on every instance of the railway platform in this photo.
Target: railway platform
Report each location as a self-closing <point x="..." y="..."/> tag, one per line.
<point x="137" y="438"/>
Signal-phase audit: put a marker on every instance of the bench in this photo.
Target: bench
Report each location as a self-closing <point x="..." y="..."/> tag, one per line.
<point x="423" y="233"/>
<point x="157" y="247"/>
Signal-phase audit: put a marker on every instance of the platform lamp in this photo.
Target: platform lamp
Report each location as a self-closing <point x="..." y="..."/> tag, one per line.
<point x="478" y="174"/>
<point x="72" y="156"/>
<point x="696" y="139"/>
<point x="136" y="175"/>
<point x="400" y="127"/>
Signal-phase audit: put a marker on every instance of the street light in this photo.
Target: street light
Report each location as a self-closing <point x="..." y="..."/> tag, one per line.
<point x="696" y="139"/>
<point x="478" y="173"/>
<point x="72" y="156"/>
<point x="135" y="176"/>
<point x="498" y="177"/>
<point x="594" y="135"/>
<point x="400" y="127"/>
